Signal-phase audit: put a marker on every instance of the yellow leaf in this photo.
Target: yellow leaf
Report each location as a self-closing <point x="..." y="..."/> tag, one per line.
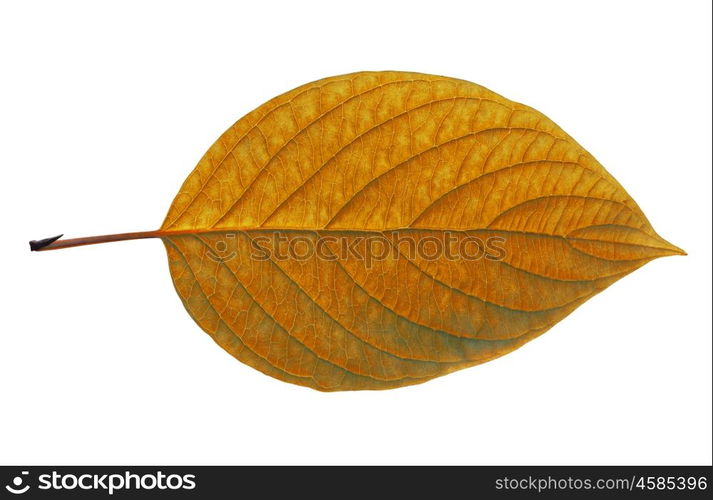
<point x="379" y="229"/>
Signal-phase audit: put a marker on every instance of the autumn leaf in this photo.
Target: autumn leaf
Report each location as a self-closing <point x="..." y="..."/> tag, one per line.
<point x="379" y="229"/>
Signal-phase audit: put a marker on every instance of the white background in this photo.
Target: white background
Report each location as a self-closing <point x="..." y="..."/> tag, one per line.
<point x="105" y="109"/>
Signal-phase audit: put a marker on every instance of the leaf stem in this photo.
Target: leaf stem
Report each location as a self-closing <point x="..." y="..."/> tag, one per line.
<point x="56" y="243"/>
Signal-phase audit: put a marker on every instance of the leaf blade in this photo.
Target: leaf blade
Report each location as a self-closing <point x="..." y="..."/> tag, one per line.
<point x="376" y="153"/>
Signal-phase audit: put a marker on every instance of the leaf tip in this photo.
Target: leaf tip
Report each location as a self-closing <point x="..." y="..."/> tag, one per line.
<point x="37" y="245"/>
<point x="673" y="249"/>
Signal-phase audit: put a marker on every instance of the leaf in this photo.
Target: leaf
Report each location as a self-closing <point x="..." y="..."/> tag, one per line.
<point x="365" y="171"/>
